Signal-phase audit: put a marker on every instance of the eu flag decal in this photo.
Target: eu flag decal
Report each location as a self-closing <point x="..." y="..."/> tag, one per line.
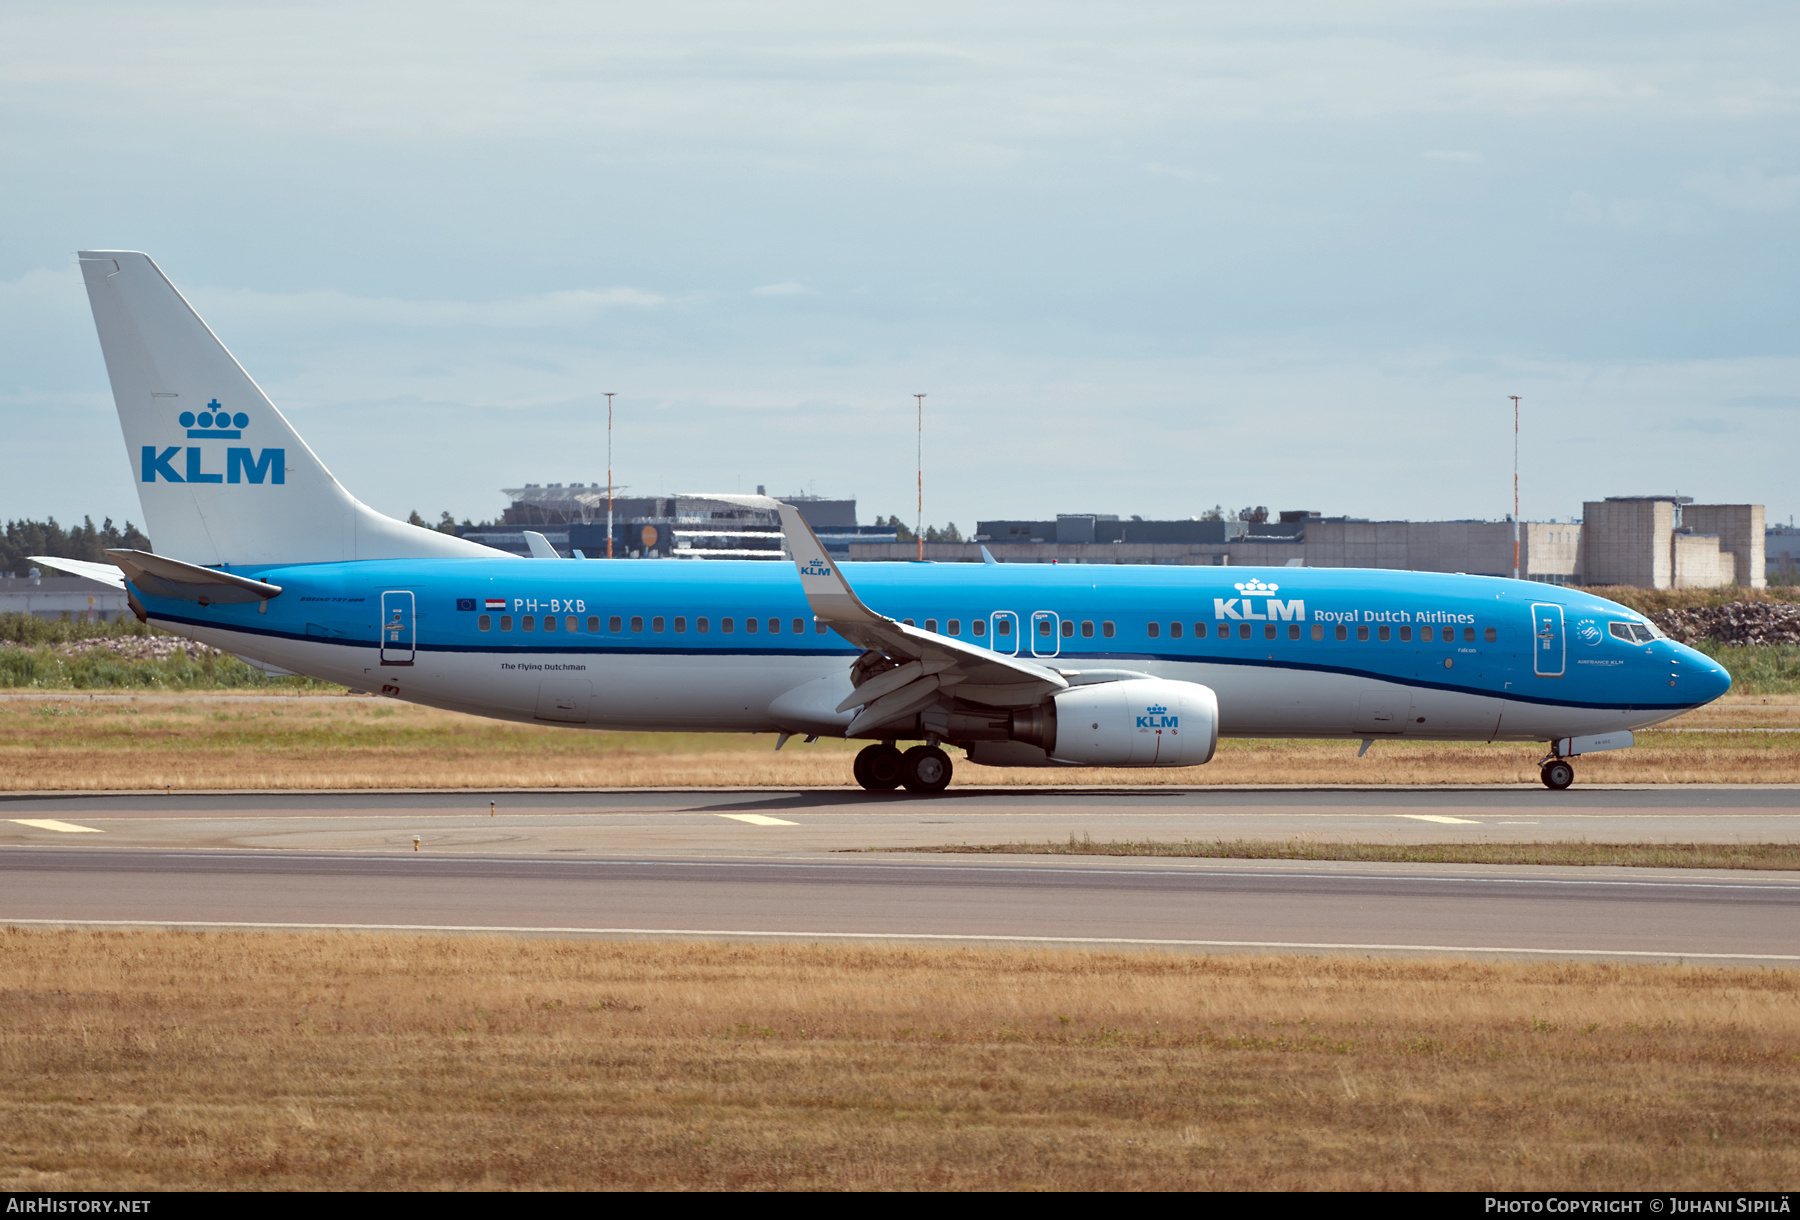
<point x="465" y="603"/>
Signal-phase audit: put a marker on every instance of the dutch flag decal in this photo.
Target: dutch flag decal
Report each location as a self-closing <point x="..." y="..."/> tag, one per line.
<point x="496" y="603"/>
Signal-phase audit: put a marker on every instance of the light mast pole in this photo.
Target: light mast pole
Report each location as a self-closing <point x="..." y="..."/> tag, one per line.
<point x="1515" y="400"/>
<point x="609" y="506"/>
<point x="921" y="463"/>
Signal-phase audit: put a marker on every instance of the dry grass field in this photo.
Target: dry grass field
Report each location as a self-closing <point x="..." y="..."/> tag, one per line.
<point x="1777" y="857"/>
<point x="200" y="741"/>
<point x="147" y="1060"/>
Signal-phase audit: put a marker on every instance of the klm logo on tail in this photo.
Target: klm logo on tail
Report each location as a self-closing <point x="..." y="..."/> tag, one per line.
<point x="214" y="423"/>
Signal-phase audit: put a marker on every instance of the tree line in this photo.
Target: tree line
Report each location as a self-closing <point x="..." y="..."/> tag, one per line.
<point x="25" y="538"/>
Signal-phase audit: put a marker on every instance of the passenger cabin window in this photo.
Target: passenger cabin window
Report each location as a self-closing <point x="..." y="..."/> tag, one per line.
<point x="615" y="624"/>
<point x="1385" y="632"/>
<point x="750" y="626"/>
<point x="1003" y="627"/>
<point x="1468" y="635"/>
<point x="954" y="626"/>
<point x="1269" y="631"/>
<point x="549" y="622"/>
<point x="680" y="626"/>
<point x="506" y="622"/>
<point x="1318" y="632"/>
<point x="774" y="626"/>
<point x="726" y="625"/>
<point x="1106" y="629"/>
<point x="1293" y="631"/>
<point x="1243" y="631"/>
<point x="1199" y="631"/>
<point x="909" y="622"/>
<point x="528" y="623"/>
<point x="656" y="624"/>
<point x="1155" y="630"/>
<point x="1174" y="631"/>
<point x="1044" y="627"/>
<point x="703" y="626"/>
<point x="819" y="627"/>
<point x="1425" y="634"/>
<point x="1342" y="632"/>
<point x="799" y="626"/>
<point x="1362" y="631"/>
<point x="978" y="628"/>
<point x="931" y="625"/>
<point x="1405" y="634"/>
<point x="1489" y="635"/>
<point x="571" y="623"/>
<point x="1068" y="628"/>
<point x="637" y="622"/>
<point x="593" y="623"/>
<point x="1087" y="630"/>
<point x="486" y="623"/>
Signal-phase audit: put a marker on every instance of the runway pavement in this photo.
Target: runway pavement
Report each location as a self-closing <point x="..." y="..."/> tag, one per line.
<point x="771" y="863"/>
<point x="764" y="822"/>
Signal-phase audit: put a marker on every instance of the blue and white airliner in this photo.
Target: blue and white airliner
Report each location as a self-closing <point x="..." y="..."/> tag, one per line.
<point x="261" y="552"/>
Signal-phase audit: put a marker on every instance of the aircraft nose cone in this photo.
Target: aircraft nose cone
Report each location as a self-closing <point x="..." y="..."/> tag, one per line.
<point x="1714" y="678"/>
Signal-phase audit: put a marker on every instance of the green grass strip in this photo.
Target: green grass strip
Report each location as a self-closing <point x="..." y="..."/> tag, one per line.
<point x="1636" y="855"/>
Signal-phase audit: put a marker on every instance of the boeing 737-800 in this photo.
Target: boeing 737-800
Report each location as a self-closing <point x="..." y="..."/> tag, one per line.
<point x="262" y="553"/>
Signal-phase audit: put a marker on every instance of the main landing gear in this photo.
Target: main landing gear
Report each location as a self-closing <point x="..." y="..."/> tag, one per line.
<point x="882" y="768"/>
<point x="1556" y="773"/>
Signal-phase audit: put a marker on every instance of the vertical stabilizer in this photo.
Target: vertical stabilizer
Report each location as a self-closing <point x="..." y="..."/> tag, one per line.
<point x="222" y="476"/>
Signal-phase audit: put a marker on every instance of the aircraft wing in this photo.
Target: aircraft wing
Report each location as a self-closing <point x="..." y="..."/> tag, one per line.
<point x="105" y="573"/>
<point x="926" y="661"/>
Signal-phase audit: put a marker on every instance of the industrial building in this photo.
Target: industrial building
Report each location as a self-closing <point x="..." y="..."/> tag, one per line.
<point x="572" y="518"/>
<point x="1657" y="542"/>
<point x="53" y="597"/>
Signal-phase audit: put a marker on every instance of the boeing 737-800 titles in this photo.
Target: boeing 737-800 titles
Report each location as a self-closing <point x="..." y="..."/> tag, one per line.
<point x="261" y="552"/>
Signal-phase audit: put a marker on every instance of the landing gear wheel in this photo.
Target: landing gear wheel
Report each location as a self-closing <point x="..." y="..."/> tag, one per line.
<point x="1557" y="774"/>
<point x="925" y="769"/>
<point x="878" y="768"/>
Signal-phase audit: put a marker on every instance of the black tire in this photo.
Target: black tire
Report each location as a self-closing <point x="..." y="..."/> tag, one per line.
<point x="879" y="768"/>
<point x="925" y="769"/>
<point x="1557" y="775"/>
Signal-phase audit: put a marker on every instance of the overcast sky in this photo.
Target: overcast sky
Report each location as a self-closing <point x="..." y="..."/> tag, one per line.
<point x="1143" y="258"/>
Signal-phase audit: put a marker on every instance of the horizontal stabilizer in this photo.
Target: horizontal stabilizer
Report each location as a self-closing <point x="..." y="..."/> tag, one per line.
<point x="105" y="573"/>
<point x="160" y="576"/>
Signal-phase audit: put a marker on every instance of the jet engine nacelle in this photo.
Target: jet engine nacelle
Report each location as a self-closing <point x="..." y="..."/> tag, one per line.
<point x="1139" y="722"/>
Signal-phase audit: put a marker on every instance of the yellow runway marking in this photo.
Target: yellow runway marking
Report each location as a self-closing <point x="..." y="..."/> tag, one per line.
<point x="1437" y="817"/>
<point x="68" y="828"/>
<point x="757" y="819"/>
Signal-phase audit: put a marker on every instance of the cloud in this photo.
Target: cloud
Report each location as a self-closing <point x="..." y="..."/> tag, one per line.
<point x="786" y="288"/>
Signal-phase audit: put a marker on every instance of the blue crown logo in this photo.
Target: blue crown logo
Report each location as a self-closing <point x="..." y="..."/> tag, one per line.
<point x="1155" y="711"/>
<point x="215" y="423"/>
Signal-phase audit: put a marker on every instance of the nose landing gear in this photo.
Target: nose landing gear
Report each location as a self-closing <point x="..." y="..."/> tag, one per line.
<point x="1556" y="773"/>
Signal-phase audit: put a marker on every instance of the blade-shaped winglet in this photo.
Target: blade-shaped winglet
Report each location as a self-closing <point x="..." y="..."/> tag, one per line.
<point x="160" y="576"/>
<point x="827" y="592"/>
<point x="105" y="573"/>
<point x="540" y="546"/>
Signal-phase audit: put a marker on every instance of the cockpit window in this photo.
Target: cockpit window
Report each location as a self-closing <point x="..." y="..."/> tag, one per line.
<point x="1633" y="633"/>
<point x="1621" y="631"/>
<point x="1645" y="633"/>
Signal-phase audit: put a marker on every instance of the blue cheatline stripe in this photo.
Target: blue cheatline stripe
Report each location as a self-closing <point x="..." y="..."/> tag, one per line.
<point x="846" y="652"/>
